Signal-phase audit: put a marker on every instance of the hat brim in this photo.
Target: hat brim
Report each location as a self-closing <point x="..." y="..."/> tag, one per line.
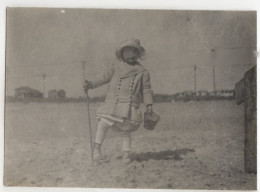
<point x="119" y="50"/>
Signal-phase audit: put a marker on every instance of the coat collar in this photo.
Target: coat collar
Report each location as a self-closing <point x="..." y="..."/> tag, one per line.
<point x="128" y="70"/>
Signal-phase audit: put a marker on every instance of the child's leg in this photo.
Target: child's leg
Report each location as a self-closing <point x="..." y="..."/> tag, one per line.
<point x="101" y="132"/>
<point x="100" y="136"/>
<point x="126" y="137"/>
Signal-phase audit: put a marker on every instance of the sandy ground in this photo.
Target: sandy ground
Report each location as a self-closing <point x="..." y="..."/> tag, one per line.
<point x="196" y="145"/>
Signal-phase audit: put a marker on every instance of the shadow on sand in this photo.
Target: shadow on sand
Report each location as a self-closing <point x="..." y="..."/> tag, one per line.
<point x="161" y="155"/>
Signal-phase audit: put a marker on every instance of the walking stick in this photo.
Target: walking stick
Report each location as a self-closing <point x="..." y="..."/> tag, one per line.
<point x="89" y="125"/>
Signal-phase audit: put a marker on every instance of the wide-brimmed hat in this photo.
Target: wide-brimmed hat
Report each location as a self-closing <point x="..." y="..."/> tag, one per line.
<point x="130" y="43"/>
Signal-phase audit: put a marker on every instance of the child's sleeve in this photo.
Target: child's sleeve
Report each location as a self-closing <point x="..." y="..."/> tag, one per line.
<point x="147" y="89"/>
<point x="104" y="78"/>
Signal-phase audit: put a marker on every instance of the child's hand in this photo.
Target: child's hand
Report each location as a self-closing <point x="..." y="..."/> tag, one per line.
<point x="87" y="85"/>
<point x="149" y="108"/>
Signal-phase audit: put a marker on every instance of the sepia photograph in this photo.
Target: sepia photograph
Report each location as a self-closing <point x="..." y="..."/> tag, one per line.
<point x="130" y="98"/>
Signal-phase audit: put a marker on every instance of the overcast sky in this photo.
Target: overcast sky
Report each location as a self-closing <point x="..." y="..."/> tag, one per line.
<point x="56" y="41"/>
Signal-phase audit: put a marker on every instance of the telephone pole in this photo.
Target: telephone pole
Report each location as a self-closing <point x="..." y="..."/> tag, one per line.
<point x="195" y="78"/>
<point x="213" y="58"/>
<point x="83" y="73"/>
<point x="43" y="83"/>
<point x="214" y="78"/>
<point x="84" y="70"/>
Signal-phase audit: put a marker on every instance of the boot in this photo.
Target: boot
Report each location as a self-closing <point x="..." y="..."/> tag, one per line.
<point x="98" y="158"/>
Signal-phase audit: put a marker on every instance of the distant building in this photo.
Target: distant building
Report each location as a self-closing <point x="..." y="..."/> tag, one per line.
<point x="188" y="95"/>
<point x="56" y="94"/>
<point x="223" y="93"/>
<point x="27" y="92"/>
<point x="228" y="93"/>
<point x="184" y="96"/>
<point x="53" y="94"/>
<point x="202" y="94"/>
<point x="62" y="93"/>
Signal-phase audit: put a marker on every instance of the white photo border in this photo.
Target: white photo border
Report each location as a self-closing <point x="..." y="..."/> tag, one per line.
<point x="238" y="5"/>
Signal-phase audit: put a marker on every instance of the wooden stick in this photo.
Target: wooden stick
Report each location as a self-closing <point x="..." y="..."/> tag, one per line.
<point x="89" y="125"/>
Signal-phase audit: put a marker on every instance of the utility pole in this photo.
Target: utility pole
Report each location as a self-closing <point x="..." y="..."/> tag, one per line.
<point x="195" y="78"/>
<point x="214" y="78"/>
<point x="213" y="57"/>
<point x="84" y="70"/>
<point x="43" y="83"/>
<point x="83" y="73"/>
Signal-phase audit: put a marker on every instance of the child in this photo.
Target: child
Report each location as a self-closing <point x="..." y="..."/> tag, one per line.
<point x="129" y="84"/>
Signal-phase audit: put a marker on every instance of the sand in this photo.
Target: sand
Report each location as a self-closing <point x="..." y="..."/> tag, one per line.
<point x="196" y="145"/>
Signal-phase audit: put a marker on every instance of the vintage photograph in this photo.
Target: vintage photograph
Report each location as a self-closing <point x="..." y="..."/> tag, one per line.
<point x="125" y="98"/>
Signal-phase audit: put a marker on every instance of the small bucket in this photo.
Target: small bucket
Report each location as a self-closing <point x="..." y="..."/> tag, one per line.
<point x="150" y="120"/>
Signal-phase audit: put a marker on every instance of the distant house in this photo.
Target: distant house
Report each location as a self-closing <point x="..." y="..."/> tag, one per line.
<point x="188" y="95"/>
<point x="201" y="95"/>
<point x="227" y="93"/>
<point x="204" y="93"/>
<point x="184" y="96"/>
<point x="62" y="93"/>
<point x="56" y="94"/>
<point x="216" y="93"/>
<point x="27" y="92"/>
<point x="177" y="96"/>
<point x="223" y="94"/>
<point x="52" y="93"/>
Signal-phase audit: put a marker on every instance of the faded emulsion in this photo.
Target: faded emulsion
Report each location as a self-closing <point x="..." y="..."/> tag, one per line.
<point x="116" y="98"/>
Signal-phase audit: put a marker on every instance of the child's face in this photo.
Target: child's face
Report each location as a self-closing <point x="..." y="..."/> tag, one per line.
<point x="130" y="55"/>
